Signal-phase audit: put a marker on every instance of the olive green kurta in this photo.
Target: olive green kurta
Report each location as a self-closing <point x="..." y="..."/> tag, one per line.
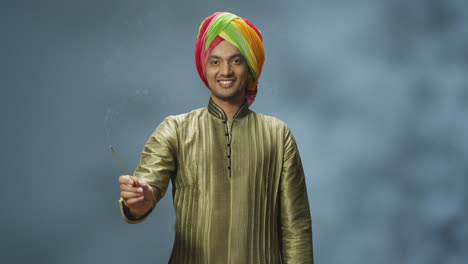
<point x="238" y="187"/>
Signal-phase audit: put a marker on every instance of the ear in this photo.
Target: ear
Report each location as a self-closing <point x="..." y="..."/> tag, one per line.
<point x="249" y="80"/>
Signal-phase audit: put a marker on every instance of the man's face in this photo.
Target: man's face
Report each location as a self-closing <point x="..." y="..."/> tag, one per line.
<point x="227" y="73"/>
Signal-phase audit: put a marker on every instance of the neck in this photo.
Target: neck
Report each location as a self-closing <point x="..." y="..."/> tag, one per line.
<point x="230" y="107"/>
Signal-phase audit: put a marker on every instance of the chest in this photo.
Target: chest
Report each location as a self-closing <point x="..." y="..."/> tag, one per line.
<point x="224" y="151"/>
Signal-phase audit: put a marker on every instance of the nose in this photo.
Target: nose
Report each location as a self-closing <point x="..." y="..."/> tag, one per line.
<point x="225" y="69"/>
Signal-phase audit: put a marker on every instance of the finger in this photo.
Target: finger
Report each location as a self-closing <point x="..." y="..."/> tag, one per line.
<point x="126" y="179"/>
<point x="129" y="195"/>
<point x="133" y="201"/>
<point x="136" y="181"/>
<point x="128" y="188"/>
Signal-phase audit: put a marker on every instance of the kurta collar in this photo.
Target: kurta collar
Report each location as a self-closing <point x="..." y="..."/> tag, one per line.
<point x="218" y="112"/>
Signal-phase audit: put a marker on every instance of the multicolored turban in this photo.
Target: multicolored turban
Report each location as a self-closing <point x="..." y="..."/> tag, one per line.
<point x="239" y="32"/>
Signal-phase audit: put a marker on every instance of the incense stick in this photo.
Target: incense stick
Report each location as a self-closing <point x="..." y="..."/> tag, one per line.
<point x="120" y="161"/>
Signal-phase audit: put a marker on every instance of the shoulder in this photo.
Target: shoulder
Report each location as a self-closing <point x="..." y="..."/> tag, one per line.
<point x="270" y="121"/>
<point x="174" y="124"/>
<point x="168" y="130"/>
<point x="274" y="126"/>
<point x="181" y="119"/>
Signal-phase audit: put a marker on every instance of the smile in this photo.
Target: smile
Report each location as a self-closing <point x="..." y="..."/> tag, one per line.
<point x="226" y="83"/>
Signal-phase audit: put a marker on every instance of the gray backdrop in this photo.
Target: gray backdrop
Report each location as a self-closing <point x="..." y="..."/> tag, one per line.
<point x="376" y="93"/>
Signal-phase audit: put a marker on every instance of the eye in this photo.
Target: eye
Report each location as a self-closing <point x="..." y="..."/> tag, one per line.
<point x="237" y="61"/>
<point x="214" y="62"/>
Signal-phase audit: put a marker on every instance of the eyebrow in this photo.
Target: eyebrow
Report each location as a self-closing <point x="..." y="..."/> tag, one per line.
<point x="230" y="57"/>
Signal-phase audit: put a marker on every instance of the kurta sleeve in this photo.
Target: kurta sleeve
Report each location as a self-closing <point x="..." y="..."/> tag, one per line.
<point x="295" y="219"/>
<point x="157" y="164"/>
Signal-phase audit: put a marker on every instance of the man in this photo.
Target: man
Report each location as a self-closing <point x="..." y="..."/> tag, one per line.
<point x="238" y="184"/>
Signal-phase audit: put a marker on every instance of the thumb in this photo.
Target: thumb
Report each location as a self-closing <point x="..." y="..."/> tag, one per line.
<point x="144" y="185"/>
<point x="136" y="181"/>
<point x="147" y="191"/>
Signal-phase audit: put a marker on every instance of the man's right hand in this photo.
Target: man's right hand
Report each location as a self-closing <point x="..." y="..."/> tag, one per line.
<point x="137" y="195"/>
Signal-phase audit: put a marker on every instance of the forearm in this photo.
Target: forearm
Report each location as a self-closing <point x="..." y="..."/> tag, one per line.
<point x="156" y="167"/>
<point x="296" y="232"/>
<point x="295" y="217"/>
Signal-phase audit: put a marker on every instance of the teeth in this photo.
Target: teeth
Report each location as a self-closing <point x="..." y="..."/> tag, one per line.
<point x="225" y="82"/>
